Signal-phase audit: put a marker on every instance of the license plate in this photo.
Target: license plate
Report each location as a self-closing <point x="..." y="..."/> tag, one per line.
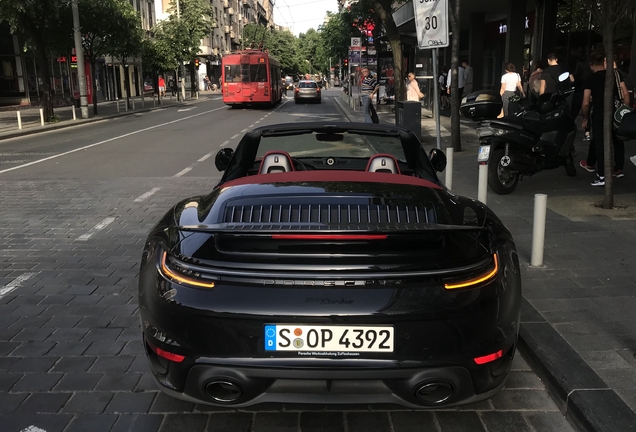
<point x="484" y="154"/>
<point x="328" y="338"/>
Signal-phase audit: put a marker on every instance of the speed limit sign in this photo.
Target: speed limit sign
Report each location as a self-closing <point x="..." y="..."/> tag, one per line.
<point x="431" y="23"/>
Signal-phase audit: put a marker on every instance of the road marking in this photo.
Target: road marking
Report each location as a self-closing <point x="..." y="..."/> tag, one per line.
<point x="244" y="130"/>
<point x="252" y="125"/>
<point x="217" y="98"/>
<point x="235" y="136"/>
<point x="224" y="144"/>
<point x="148" y="194"/>
<point x="100" y="226"/>
<point x="16" y="283"/>
<point x="205" y="157"/>
<point x="186" y="109"/>
<point x="257" y="122"/>
<point x="185" y="171"/>
<point x="33" y="429"/>
<point x="110" y="139"/>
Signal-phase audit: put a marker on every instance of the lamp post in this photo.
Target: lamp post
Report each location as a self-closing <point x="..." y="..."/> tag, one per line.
<point x="309" y="63"/>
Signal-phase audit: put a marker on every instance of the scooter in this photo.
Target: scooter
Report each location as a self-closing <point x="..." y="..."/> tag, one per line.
<point x="539" y="137"/>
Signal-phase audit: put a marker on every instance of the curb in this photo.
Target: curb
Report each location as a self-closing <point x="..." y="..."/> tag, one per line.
<point x="582" y="396"/>
<point x="80" y="122"/>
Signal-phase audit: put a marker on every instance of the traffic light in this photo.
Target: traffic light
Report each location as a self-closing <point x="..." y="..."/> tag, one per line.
<point x="196" y="63"/>
<point x="346" y="62"/>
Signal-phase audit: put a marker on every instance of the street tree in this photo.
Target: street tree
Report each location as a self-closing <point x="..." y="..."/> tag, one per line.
<point x="42" y="24"/>
<point x="607" y="13"/>
<point x="185" y="28"/>
<point x="98" y="34"/>
<point x="456" y="97"/>
<point x="126" y="43"/>
<point x="156" y="55"/>
<point x="281" y="44"/>
<point x="312" y="52"/>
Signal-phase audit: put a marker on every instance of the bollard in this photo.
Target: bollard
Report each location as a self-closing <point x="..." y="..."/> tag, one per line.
<point x="41" y="116"/>
<point x="117" y="105"/>
<point x="538" y="229"/>
<point x="126" y="104"/>
<point x="449" y="168"/>
<point x="482" y="186"/>
<point x="154" y="102"/>
<point x="74" y="115"/>
<point x="19" y="120"/>
<point x="133" y="103"/>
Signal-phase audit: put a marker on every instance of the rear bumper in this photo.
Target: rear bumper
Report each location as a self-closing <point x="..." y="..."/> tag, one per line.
<point x="442" y="386"/>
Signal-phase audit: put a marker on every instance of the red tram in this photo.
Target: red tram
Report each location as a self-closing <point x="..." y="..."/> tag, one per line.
<point x="251" y="77"/>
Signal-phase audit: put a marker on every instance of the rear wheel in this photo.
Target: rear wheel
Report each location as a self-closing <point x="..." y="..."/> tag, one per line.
<point x="500" y="178"/>
<point x="570" y="168"/>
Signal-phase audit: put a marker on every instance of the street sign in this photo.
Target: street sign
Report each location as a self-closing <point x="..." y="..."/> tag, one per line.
<point x="431" y="23"/>
<point x="356" y="42"/>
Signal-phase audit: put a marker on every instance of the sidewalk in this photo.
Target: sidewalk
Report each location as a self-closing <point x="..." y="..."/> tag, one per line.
<point x="578" y="314"/>
<point x="30" y="116"/>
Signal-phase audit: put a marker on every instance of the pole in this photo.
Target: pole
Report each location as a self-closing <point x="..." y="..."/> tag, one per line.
<point x="482" y="186"/>
<point x="538" y="229"/>
<point x="438" y="132"/>
<point x="42" y="116"/>
<point x="449" y="168"/>
<point x="181" y="68"/>
<point x="79" y="52"/>
<point x="19" y="120"/>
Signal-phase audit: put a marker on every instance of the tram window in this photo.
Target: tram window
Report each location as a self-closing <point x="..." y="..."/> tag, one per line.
<point x="232" y="73"/>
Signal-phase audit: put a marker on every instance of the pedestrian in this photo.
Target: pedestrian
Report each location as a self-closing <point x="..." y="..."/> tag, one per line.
<point x="461" y="80"/>
<point x="206" y="83"/>
<point x="369" y="89"/>
<point x="510" y="82"/>
<point x="413" y="92"/>
<point x="534" y="82"/>
<point x="162" y="86"/>
<point x="468" y="76"/>
<point x="443" y="95"/>
<point x="550" y="76"/>
<point x="593" y="97"/>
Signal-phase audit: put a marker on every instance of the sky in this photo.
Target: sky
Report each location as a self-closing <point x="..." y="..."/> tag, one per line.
<point x="301" y="15"/>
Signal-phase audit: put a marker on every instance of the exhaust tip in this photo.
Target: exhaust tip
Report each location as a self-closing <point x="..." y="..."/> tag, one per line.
<point x="434" y="393"/>
<point x="223" y="391"/>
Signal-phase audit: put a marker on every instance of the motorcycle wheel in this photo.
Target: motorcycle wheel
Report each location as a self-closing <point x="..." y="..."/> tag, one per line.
<point x="570" y="169"/>
<point x="500" y="179"/>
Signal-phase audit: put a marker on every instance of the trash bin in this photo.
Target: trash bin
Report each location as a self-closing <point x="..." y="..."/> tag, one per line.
<point x="408" y="114"/>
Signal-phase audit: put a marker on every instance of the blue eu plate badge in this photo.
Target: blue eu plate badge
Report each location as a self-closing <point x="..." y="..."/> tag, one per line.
<point x="270" y="338"/>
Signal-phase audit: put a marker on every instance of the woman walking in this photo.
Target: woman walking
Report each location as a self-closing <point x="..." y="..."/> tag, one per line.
<point x="413" y="92"/>
<point x="510" y="81"/>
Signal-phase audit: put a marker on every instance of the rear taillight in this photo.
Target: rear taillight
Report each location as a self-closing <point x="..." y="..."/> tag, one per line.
<point x="476" y="280"/>
<point x="318" y="90"/>
<point x="489" y="358"/>
<point x="181" y="275"/>
<point x="329" y="236"/>
<point x="165" y="354"/>
<point x="296" y="91"/>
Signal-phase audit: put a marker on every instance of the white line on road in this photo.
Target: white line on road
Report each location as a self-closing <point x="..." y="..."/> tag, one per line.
<point x="100" y="226"/>
<point x="204" y="158"/>
<point x="33" y="429"/>
<point x="16" y="283"/>
<point x="224" y="144"/>
<point x="185" y="171"/>
<point x="252" y="125"/>
<point x="217" y="98"/>
<point x="244" y="130"/>
<point x="257" y="122"/>
<point x="110" y="139"/>
<point x="186" y="109"/>
<point x="148" y="194"/>
<point x="235" y="136"/>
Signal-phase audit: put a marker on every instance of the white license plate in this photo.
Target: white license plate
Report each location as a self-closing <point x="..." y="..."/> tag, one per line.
<point x="328" y="338"/>
<point x="484" y="154"/>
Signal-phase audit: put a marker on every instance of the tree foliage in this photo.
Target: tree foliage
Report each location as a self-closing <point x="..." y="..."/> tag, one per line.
<point x="127" y="42"/>
<point x="44" y="25"/>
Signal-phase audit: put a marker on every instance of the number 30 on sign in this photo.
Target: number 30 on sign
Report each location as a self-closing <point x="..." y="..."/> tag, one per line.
<point x="431" y="22"/>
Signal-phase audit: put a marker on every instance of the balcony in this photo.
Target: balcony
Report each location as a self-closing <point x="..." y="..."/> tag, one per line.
<point x="230" y="11"/>
<point x="247" y="3"/>
<point x="226" y="4"/>
<point x="227" y="29"/>
<point x="232" y="34"/>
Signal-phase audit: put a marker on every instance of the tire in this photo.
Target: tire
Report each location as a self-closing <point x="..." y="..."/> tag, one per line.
<point x="568" y="163"/>
<point x="500" y="180"/>
<point x="296" y="101"/>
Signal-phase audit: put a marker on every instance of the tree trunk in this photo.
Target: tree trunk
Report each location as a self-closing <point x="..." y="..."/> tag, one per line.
<point x="383" y="9"/>
<point x="632" y="65"/>
<point x="455" y="96"/>
<point x="193" y="81"/>
<point x="43" y="62"/>
<point x="126" y="84"/>
<point x="608" y="147"/>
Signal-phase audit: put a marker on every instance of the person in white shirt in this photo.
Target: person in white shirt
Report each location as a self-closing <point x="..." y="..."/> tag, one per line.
<point x="413" y="92"/>
<point x="461" y="80"/>
<point x="510" y="81"/>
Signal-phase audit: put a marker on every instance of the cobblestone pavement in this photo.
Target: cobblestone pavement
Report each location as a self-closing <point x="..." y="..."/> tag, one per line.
<point x="71" y="357"/>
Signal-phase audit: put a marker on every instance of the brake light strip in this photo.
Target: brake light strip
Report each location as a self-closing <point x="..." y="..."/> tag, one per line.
<point x="329" y="237"/>
<point x="477" y="280"/>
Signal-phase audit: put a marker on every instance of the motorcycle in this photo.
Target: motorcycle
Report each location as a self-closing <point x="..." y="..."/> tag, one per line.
<point x="541" y="136"/>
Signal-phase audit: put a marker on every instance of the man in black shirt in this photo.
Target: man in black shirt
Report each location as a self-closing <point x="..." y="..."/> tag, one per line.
<point x="593" y="96"/>
<point x="550" y="75"/>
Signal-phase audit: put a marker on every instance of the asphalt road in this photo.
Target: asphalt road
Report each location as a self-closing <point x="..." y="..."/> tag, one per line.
<point x="76" y="206"/>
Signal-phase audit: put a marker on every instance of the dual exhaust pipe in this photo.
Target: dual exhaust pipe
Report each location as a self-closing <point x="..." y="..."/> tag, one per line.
<point x="430" y="393"/>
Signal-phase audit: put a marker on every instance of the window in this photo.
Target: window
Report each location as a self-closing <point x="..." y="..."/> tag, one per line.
<point x="232" y="73"/>
<point x="258" y="73"/>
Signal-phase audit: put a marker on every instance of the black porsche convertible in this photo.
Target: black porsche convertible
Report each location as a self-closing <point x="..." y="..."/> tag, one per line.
<point x="330" y="265"/>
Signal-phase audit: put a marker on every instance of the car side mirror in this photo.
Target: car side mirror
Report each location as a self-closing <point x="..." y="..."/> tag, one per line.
<point x="438" y="160"/>
<point x="223" y="157"/>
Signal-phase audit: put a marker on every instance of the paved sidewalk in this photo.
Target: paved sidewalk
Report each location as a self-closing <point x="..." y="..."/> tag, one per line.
<point x="31" y="122"/>
<point x="578" y="320"/>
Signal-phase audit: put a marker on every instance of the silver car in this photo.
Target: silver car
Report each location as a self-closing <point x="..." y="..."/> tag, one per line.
<point x="307" y="90"/>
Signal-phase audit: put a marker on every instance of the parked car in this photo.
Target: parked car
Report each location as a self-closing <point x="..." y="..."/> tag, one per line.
<point x="330" y="265"/>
